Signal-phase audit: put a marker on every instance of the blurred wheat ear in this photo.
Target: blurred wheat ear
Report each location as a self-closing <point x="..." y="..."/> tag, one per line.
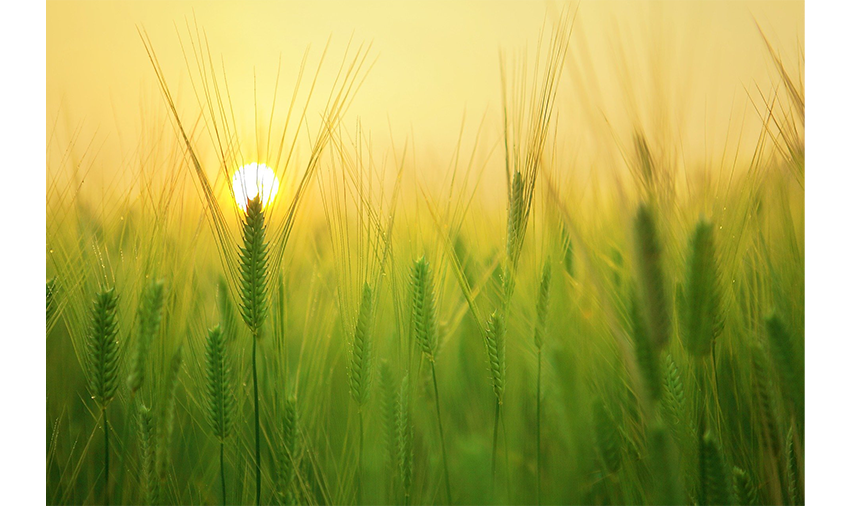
<point x="651" y="279"/>
<point x="219" y="398"/>
<point x="149" y="319"/>
<point x="703" y="322"/>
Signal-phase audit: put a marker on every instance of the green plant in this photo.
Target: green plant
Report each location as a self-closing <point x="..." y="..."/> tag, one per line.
<point x="539" y="331"/>
<point x="253" y="257"/>
<point x="219" y="395"/>
<point x="703" y="319"/>
<point x="102" y="362"/>
<point x="149" y="319"/>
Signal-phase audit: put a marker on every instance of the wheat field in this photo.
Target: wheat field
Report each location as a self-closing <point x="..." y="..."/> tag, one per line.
<point x="271" y="304"/>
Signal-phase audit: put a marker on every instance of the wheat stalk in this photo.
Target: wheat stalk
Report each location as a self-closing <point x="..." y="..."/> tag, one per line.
<point x="220" y="400"/>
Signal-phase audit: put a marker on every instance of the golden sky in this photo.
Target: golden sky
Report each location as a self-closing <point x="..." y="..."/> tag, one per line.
<point x="682" y="66"/>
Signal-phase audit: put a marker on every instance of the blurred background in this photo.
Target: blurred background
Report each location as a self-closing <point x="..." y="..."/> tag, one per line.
<point x="686" y="73"/>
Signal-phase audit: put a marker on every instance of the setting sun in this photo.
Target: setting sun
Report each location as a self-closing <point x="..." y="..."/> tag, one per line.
<point x="252" y="180"/>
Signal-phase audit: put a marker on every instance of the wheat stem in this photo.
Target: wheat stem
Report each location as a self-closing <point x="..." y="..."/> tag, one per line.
<point x="442" y="436"/>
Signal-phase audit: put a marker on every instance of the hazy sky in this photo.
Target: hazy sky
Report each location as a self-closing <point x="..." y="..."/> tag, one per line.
<point x="690" y="63"/>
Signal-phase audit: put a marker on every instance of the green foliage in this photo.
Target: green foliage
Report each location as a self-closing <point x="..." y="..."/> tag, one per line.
<point x="166" y="417"/>
<point x="51" y="300"/>
<point x="703" y="321"/>
<point x="360" y="356"/>
<point x="149" y="319"/>
<point x="102" y="348"/>
<point x="219" y="393"/>
<point x="404" y="429"/>
<point x="226" y="312"/>
<point x="253" y="257"/>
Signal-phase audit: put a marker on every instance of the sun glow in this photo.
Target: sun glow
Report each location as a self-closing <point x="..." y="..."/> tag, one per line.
<point x="252" y="180"/>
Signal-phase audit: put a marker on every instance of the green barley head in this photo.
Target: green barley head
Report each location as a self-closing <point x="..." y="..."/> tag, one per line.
<point x="102" y="347"/>
<point x="424" y="312"/>
<point x="360" y="359"/>
<point x="703" y="321"/>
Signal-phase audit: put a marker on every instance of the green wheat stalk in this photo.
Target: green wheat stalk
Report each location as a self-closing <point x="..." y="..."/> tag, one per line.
<point x="539" y="331"/>
<point x="149" y="319"/>
<point x="494" y="337"/>
<point x="360" y="367"/>
<point x="102" y="362"/>
<point x="405" y="439"/>
<point x="219" y="394"/>
<point x="167" y="416"/>
<point x="253" y="256"/>
<point x="424" y="319"/>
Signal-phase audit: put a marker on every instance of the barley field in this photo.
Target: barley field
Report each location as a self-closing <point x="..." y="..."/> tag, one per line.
<point x="592" y="292"/>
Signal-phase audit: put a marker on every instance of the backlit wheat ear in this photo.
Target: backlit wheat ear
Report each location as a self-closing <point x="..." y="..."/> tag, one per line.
<point x="653" y="288"/>
<point x="542" y="304"/>
<point x="494" y="336"/>
<point x="360" y="362"/>
<point x="220" y="400"/>
<point x="253" y="257"/>
<point x="149" y="319"/>
<point x="424" y="317"/>
<point x="102" y="348"/>
<point x="147" y="449"/>
<point x="703" y="321"/>
<point x="715" y="486"/>
<point x="516" y="210"/>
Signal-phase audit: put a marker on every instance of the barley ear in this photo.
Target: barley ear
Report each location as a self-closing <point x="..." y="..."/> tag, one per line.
<point x="745" y="492"/>
<point x="703" y="322"/>
<point x="788" y="364"/>
<point x="149" y="319"/>
<point x="288" y="461"/>
<point x="253" y="256"/>
<point x="646" y="355"/>
<point x="542" y="304"/>
<point x="424" y="317"/>
<point x="494" y="337"/>
<point x="653" y="288"/>
<point x="147" y="449"/>
<point x="516" y="210"/>
<point x="360" y="361"/>
<point x="715" y="487"/>
<point x="102" y="348"/>
<point x="220" y="399"/>
<point x="388" y="413"/>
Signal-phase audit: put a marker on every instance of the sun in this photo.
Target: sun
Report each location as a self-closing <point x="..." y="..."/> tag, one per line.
<point x="252" y="180"/>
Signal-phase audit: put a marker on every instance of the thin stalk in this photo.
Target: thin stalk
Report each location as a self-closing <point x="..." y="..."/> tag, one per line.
<point x="539" y="367"/>
<point x="495" y="443"/>
<point x="360" y="460"/>
<point x="442" y="437"/>
<point x="106" y="454"/>
<point x="221" y="462"/>
<point x="256" y="419"/>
